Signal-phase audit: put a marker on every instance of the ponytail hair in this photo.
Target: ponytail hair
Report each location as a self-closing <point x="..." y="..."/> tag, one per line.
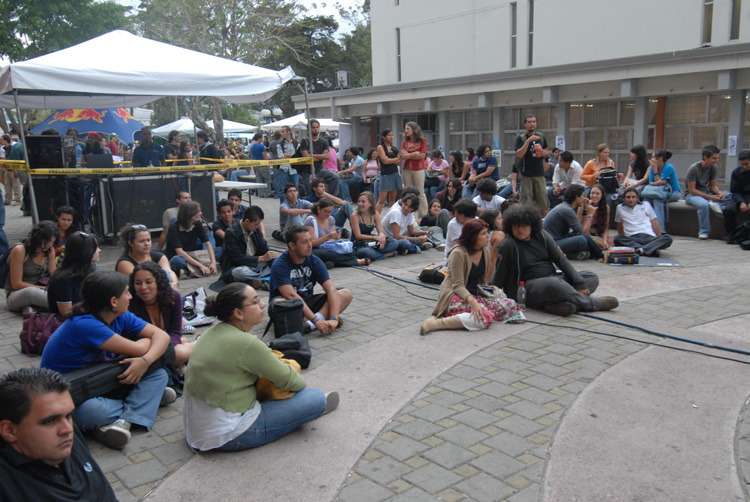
<point x="97" y="291"/>
<point x="321" y="204"/>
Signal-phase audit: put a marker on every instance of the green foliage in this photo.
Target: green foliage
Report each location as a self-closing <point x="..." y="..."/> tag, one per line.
<point x="31" y="28"/>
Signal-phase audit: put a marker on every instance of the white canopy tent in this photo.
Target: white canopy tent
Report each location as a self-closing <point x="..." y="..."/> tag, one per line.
<point x="72" y="78"/>
<point x="300" y="122"/>
<point x="187" y="128"/>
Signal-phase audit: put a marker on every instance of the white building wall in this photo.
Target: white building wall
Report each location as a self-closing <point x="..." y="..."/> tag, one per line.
<point x="448" y="38"/>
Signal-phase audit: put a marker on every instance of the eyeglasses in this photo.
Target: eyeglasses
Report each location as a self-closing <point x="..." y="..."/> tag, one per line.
<point x="256" y="301"/>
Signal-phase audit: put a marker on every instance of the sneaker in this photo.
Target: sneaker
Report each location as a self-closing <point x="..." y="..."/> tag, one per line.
<point x="340" y="322"/>
<point x="329" y="265"/>
<point x="332" y="402"/>
<point x="564" y="309"/>
<point x="169" y="396"/>
<point x="115" y="435"/>
<point x="703" y="237"/>
<point x="188" y="328"/>
<point x="403" y="251"/>
<point x="715" y="207"/>
<point x="345" y="233"/>
<point x="581" y="256"/>
<point x="639" y="252"/>
<point x="426" y="245"/>
<point x="608" y="303"/>
<point x="440" y="247"/>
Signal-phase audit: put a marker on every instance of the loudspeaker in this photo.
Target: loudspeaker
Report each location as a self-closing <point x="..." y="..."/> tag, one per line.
<point x="51" y="152"/>
<point x="51" y="192"/>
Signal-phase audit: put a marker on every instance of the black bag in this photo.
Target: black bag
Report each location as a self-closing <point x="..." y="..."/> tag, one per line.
<point x="287" y="316"/>
<point x="745" y="245"/>
<point x="740" y="234"/>
<point x="433" y="274"/>
<point x="294" y="346"/>
<point x="608" y="179"/>
<point x="101" y="378"/>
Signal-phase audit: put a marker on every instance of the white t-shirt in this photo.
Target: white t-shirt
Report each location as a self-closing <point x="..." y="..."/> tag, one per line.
<point x="494" y="203"/>
<point x="207" y="427"/>
<point x="636" y="220"/>
<point x="396" y="215"/>
<point x="452" y="234"/>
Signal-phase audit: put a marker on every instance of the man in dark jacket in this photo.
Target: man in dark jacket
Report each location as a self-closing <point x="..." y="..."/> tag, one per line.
<point x="246" y="256"/>
<point x="529" y="254"/>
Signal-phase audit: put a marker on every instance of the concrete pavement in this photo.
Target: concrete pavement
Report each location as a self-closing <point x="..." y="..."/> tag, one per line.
<point x="555" y="411"/>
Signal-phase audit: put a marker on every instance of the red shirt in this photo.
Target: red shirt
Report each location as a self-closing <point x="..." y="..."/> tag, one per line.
<point x="411" y="147"/>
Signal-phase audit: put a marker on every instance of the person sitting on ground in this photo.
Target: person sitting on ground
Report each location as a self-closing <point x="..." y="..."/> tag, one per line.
<point x="322" y="227"/>
<point x="169" y="215"/>
<point x="436" y="174"/>
<point x="182" y="242"/>
<point x="431" y="218"/>
<point x="529" y="254"/>
<point x="430" y="224"/>
<point x="294" y="275"/>
<point x="494" y="220"/>
<point x="570" y="232"/>
<point x="399" y="222"/>
<point x="293" y="210"/>
<point x="136" y="244"/>
<point x="599" y="229"/>
<point x="637" y="226"/>
<point x="370" y="241"/>
<point x="487" y="198"/>
<point x="64" y="288"/>
<point x="29" y="266"/>
<point x="342" y="209"/>
<point x="246" y="255"/>
<point x="460" y="305"/>
<point x="225" y="220"/>
<point x="567" y="173"/>
<point x="221" y="409"/>
<point x="739" y="185"/>
<point x="66" y="225"/>
<point x="483" y="166"/>
<point x="465" y="210"/>
<point x="235" y="197"/>
<point x="43" y="455"/>
<point x="99" y="325"/>
<point x="158" y="304"/>
<point x="448" y="199"/>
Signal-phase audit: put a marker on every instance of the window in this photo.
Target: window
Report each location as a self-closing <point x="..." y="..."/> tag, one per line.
<point x="398" y="53"/>
<point x="708" y="18"/>
<point x="513" y="33"/>
<point x="531" y="32"/>
<point x="734" y="32"/>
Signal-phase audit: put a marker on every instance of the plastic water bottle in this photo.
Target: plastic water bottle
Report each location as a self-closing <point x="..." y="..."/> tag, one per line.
<point x="522" y="297"/>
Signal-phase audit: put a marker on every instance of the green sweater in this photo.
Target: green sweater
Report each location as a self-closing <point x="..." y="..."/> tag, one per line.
<point x="226" y="363"/>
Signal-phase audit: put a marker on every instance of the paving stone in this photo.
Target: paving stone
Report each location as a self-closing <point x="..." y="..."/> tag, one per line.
<point x="364" y="491"/>
<point x="535" y="395"/>
<point x="519" y="425"/>
<point x="174" y="452"/>
<point x="527" y="409"/>
<point x="463" y="435"/>
<point x="495" y="389"/>
<point x="449" y="455"/>
<point x="530" y="494"/>
<point x="504" y="376"/>
<point x="475" y="418"/>
<point x="484" y="488"/>
<point x="413" y="495"/>
<point x="418" y="429"/>
<point x="541" y="382"/>
<point x="510" y="444"/>
<point x="457" y="385"/>
<point x="111" y="461"/>
<point x="468" y="373"/>
<point x="384" y="470"/>
<point x="498" y="464"/>
<point x="432" y="478"/>
<point x="485" y="403"/>
<point x="139" y="474"/>
<point x="433" y="413"/>
<point x="402" y="448"/>
<point x="446" y="398"/>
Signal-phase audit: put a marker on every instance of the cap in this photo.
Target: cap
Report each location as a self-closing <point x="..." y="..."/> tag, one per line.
<point x="94" y="134"/>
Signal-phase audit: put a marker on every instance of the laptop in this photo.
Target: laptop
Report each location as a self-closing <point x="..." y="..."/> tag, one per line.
<point x="99" y="161"/>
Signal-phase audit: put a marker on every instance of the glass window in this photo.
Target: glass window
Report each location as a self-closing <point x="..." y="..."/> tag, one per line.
<point x="541" y="114"/>
<point x="531" y="32"/>
<point x="573" y="141"/>
<point x="510" y="141"/>
<point x="456" y="120"/>
<point x="477" y="120"/>
<point x="685" y="110"/>
<point x="618" y="139"/>
<point x="456" y="142"/>
<point x="627" y="113"/>
<point x="651" y="139"/>
<point x="734" y="32"/>
<point x="512" y="120"/>
<point x="600" y="114"/>
<point x="652" y="106"/>
<point x="398" y="53"/>
<point x="487" y="138"/>
<point x="718" y="108"/>
<point x="592" y="139"/>
<point x="708" y="19"/>
<point x="576" y="115"/>
<point x="513" y="33"/>
<point x="676" y="138"/>
<point x="473" y="140"/>
<point x="703" y="136"/>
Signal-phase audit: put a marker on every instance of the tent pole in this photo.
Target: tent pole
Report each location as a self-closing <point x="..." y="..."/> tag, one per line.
<point x="32" y="194"/>
<point x="307" y="116"/>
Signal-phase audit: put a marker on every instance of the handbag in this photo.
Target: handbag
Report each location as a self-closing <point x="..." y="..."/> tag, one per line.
<point x="203" y="257"/>
<point x="265" y="390"/>
<point x="490" y="291"/>
<point x="36" y="330"/>
<point x="102" y="378"/>
<point x="661" y="192"/>
<point x="286" y="316"/>
<point x="294" y="346"/>
<point x="433" y="273"/>
<point x="341" y="246"/>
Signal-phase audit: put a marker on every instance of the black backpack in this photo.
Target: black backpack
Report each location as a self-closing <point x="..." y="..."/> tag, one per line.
<point x="740" y="234"/>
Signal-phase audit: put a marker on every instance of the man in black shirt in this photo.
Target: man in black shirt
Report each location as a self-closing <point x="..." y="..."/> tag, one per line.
<point x="207" y="150"/>
<point x="172" y="148"/>
<point x="531" y="150"/>
<point x="246" y="255"/>
<point x="42" y="455"/>
<point x="320" y="152"/>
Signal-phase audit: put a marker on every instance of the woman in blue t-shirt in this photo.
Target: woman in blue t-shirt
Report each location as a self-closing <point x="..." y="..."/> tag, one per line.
<point x="663" y="186"/>
<point x="98" y="327"/>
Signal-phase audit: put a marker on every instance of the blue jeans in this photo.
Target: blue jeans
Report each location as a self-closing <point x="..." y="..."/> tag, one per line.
<point x="283" y="180"/>
<point x="139" y="407"/>
<point x="235" y="175"/>
<point x="508" y="191"/>
<point x="343" y="214"/>
<point x="704" y="212"/>
<point x="345" y="186"/>
<point x="434" y="190"/>
<point x="372" y="254"/>
<point x="553" y="199"/>
<point x="279" y="418"/>
<point x="660" y="206"/>
<point x="410" y="247"/>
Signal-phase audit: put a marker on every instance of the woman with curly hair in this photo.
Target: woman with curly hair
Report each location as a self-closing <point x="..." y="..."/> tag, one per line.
<point x="460" y="303"/>
<point x="157" y="303"/>
<point x="414" y="153"/>
<point x="28" y="266"/>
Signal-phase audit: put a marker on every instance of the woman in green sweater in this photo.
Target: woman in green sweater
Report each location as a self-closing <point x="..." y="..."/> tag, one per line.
<point x="221" y="411"/>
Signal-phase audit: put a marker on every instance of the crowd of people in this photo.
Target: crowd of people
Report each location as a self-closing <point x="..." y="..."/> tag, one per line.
<point x="502" y="246"/>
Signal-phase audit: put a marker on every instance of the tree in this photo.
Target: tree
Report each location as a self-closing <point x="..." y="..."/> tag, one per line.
<point x="31" y="28"/>
<point x="357" y="46"/>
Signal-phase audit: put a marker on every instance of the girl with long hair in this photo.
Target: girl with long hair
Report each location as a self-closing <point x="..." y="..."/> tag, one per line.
<point x="29" y="266"/>
<point x="322" y="226"/>
<point x="369" y="240"/>
<point x="64" y="288"/>
<point x="136" y="245"/>
<point x="599" y="229"/>
<point x="414" y="153"/>
<point x="390" y="180"/>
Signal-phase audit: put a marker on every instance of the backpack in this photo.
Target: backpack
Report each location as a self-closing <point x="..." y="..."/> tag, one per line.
<point x="433" y="274"/>
<point x="622" y="255"/>
<point x="4" y="265"/>
<point x="608" y="179"/>
<point x="740" y="234"/>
